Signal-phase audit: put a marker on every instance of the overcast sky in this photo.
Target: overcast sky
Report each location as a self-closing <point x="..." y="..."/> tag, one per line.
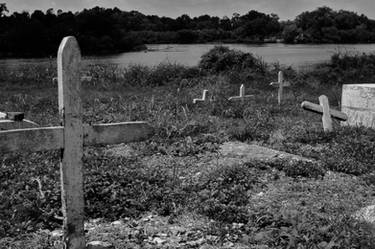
<point x="286" y="9"/>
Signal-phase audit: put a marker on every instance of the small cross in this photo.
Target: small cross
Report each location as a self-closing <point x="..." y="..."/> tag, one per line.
<point x="203" y="99"/>
<point x="242" y="95"/>
<point x="327" y="113"/>
<point x="281" y="84"/>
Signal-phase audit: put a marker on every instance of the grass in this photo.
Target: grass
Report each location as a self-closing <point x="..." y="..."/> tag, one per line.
<point x="253" y="204"/>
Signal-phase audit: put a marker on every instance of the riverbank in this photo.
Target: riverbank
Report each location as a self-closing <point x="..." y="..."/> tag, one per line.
<point x="176" y="175"/>
<point x="102" y="31"/>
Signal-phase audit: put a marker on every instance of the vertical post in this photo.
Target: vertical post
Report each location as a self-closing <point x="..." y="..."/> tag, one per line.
<point x="204" y="96"/>
<point x="281" y="85"/>
<point x="70" y="109"/>
<point x="326" y="117"/>
<point x="242" y="91"/>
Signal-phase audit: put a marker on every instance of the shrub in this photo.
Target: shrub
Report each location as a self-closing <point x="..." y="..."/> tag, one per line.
<point x="221" y="59"/>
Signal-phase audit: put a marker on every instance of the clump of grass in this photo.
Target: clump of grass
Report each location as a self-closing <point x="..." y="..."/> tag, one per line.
<point x="224" y="193"/>
<point x="115" y="76"/>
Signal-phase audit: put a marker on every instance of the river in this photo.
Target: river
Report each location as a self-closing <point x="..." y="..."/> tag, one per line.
<point x="297" y="56"/>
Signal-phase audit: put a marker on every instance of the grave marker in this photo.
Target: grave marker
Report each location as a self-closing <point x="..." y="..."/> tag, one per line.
<point x="327" y="113"/>
<point x="70" y="138"/>
<point x="242" y="95"/>
<point x="358" y="101"/>
<point x="281" y="84"/>
<point x="203" y="99"/>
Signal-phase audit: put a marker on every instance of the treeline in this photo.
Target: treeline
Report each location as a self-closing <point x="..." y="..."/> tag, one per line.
<point x="103" y="31"/>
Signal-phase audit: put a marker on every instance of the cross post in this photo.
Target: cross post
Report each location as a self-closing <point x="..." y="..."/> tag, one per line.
<point x="327" y="113"/>
<point x="70" y="138"/>
<point x="71" y="166"/>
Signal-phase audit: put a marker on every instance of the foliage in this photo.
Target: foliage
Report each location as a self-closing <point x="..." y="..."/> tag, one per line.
<point x="105" y="31"/>
<point x="325" y="25"/>
<point x="221" y="59"/>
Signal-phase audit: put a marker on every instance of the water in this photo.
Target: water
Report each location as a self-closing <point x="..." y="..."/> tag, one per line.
<point x="297" y="56"/>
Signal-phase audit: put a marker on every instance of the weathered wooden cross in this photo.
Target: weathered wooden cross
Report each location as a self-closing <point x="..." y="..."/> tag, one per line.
<point x="325" y="111"/>
<point x="242" y="95"/>
<point x="70" y="138"/>
<point x="15" y="120"/>
<point x="281" y="84"/>
<point x="203" y="99"/>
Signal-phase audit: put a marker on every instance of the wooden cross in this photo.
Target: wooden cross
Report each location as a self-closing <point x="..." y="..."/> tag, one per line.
<point x="281" y="84"/>
<point x="70" y="138"/>
<point x="325" y="111"/>
<point x="203" y="99"/>
<point x="15" y="120"/>
<point x="242" y="95"/>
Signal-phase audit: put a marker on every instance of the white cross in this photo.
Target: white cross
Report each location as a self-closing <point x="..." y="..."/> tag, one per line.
<point x="327" y="113"/>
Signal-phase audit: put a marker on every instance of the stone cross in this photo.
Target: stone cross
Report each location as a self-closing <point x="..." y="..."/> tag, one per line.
<point x="327" y="113"/>
<point x="15" y="120"/>
<point x="281" y="84"/>
<point x="203" y="99"/>
<point x="70" y="138"/>
<point x="242" y="95"/>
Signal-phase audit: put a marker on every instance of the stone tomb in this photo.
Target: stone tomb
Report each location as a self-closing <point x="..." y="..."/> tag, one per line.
<point x="358" y="102"/>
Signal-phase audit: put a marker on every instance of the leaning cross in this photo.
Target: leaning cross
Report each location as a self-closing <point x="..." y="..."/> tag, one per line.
<point x="70" y="138"/>
<point x="203" y="99"/>
<point x="281" y="84"/>
<point x="327" y="113"/>
<point x="15" y="120"/>
<point x="242" y="95"/>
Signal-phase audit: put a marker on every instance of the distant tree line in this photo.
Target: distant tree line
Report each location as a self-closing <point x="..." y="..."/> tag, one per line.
<point x="103" y="31"/>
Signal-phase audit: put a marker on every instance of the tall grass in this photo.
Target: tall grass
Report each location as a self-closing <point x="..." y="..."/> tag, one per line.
<point x="162" y="95"/>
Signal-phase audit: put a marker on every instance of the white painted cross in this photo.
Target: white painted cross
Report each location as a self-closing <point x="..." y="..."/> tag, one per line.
<point x="242" y="95"/>
<point x="70" y="138"/>
<point x="281" y="84"/>
<point x="203" y="99"/>
<point x="14" y="120"/>
<point x="325" y="111"/>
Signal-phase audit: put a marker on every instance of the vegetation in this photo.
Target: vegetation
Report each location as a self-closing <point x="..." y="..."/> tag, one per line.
<point x="101" y="30"/>
<point x="260" y="204"/>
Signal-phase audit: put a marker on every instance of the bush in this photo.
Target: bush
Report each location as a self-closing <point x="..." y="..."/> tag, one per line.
<point x="221" y="59"/>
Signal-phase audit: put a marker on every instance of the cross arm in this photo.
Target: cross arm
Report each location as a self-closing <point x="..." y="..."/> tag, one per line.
<point x="234" y="98"/>
<point x="52" y="138"/>
<point x="319" y="109"/>
<point x="32" y="139"/>
<point x="276" y="84"/>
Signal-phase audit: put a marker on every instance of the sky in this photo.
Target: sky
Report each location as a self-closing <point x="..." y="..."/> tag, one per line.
<point x="285" y="9"/>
